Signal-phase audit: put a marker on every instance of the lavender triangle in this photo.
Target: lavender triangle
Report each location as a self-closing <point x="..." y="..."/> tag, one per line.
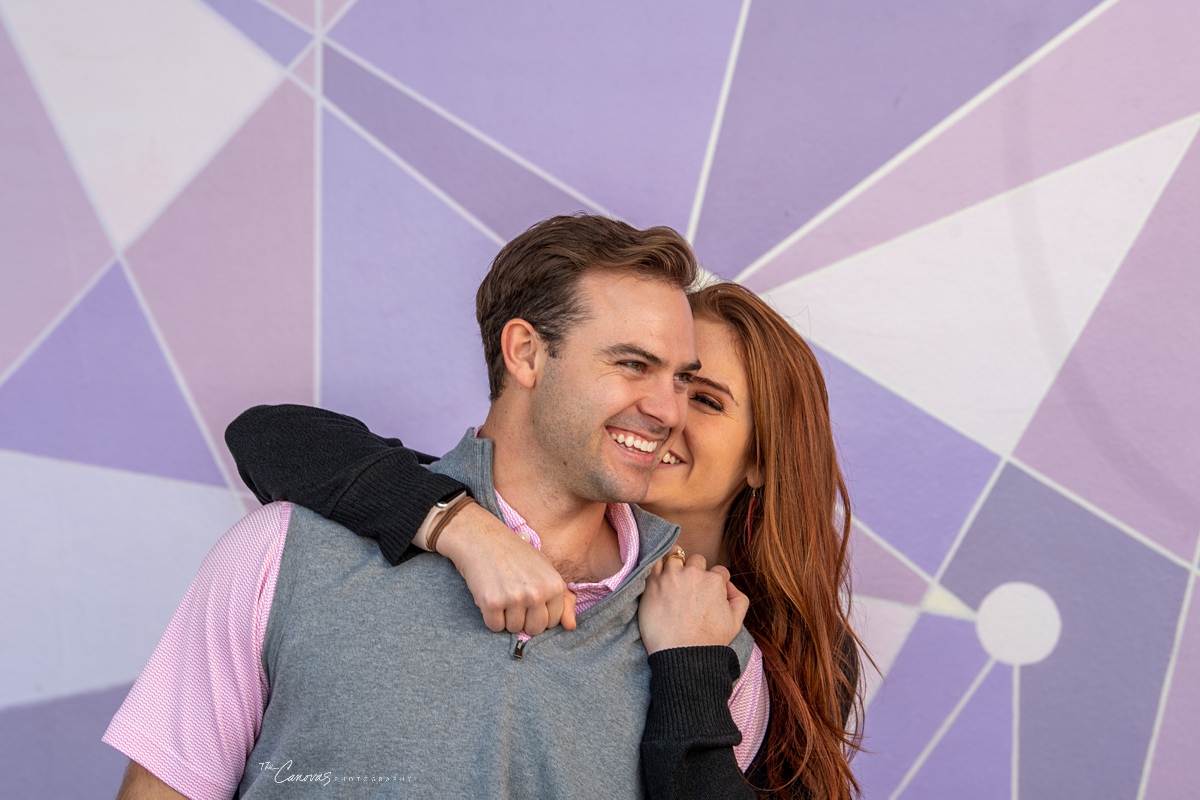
<point x="99" y="390"/>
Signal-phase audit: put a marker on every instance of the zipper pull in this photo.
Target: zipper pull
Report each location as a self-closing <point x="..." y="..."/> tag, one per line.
<point x="519" y="650"/>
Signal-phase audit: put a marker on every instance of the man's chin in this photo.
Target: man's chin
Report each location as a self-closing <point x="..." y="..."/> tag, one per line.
<point x="616" y="490"/>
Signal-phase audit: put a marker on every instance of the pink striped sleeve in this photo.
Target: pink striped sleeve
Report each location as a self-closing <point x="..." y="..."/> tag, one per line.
<point x="750" y="705"/>
<point x="194" y="713"/>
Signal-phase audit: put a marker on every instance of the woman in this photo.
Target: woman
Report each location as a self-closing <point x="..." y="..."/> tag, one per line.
<point x="753" y="482"/>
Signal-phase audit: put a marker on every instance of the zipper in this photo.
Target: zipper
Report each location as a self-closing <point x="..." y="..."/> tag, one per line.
<point x="518" y="652"/>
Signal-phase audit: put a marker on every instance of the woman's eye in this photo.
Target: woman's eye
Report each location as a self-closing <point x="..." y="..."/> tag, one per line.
<point x="709" y="401"/>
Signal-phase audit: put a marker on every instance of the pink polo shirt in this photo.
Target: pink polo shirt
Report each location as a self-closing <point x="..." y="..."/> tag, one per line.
<point x="195" y="712"/>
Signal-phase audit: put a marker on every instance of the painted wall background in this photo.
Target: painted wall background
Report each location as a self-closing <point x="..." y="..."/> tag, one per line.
<point x="985" y="215"/>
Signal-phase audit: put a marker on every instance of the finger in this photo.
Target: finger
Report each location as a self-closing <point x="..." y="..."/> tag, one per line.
<point x="493" y="618"/>
<point x="536" y="619"/>
<point x="739" y="604"/>
<point x="672" y="562"/>
<point x="514" y="619"/>
<point x="658" y="566"/>
<point x="554" y="610"/>
<point x="697" y="560"/>
<point x="568" y="612"/>
<point x="718" y="569"/>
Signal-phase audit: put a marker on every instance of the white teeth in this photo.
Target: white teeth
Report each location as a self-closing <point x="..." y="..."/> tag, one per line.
<point x="629" y="440"/>
<point x="670" y="458"/>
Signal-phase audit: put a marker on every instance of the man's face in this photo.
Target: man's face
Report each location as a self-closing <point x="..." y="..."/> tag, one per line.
<point x="605" y="407"/>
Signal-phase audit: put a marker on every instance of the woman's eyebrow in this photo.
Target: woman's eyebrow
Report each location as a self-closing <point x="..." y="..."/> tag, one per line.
<point x="720" y="387"/>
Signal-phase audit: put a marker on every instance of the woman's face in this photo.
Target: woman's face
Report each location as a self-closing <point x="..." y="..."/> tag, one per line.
<point x="709" y="463"/>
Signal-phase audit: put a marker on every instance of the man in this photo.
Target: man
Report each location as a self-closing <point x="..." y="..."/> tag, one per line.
<point x="588" y="338"/>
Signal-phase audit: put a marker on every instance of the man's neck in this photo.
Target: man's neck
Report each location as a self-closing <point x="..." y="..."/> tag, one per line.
<point x="574" y="532"/>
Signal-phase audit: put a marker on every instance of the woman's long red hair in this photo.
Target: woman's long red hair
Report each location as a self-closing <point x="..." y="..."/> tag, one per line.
<point x="793" y="563"/>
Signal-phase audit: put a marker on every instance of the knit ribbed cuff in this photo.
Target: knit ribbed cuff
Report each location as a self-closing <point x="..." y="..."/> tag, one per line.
<point x="393" y="517"/>
<point x="689" y="694"/>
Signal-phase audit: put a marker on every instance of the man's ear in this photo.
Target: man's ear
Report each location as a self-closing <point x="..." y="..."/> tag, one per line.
<point x="524" y="352"/>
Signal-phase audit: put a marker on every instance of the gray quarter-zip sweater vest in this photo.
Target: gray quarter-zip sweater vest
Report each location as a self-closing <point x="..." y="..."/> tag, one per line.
<point x="384" y="681"/>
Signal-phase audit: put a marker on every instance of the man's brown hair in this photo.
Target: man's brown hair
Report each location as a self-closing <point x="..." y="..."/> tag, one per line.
<point x="535" y="277"/>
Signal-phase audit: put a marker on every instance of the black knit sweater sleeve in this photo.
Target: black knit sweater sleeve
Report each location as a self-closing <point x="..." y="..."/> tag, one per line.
<point x="687" y="745"/>
<point x="334" y="465"/>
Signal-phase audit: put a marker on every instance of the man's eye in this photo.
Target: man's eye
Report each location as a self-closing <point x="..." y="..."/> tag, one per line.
<point x="709" y="401"/>
<point x="684" y="377"/>
<point x="639" y="366"/>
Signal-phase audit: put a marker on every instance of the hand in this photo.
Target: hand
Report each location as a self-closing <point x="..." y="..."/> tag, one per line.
<point x="687" y="605"/>
<point x="514" y="585"/>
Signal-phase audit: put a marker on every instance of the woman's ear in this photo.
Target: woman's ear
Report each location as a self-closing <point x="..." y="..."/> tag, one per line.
<point x="523" y="352"/>
<point x="754" y="476"/>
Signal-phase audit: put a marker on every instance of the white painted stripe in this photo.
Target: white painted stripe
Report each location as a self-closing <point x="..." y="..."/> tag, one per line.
<point x="718" y="119"/>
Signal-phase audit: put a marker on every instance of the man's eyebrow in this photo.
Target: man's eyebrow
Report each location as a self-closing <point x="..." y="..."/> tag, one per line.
<point x="632" y="351"/>
<point x="720" y="387"/>
<point x="626" y="350"/>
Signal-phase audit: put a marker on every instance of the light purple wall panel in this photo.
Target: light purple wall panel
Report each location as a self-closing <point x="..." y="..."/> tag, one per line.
<point x="54" y="750"/>
<point x="400" y="347"/>
<point x="617" y="100"/>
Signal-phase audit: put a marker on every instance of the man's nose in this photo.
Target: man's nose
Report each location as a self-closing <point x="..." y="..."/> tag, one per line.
<point x="665" y="403"/>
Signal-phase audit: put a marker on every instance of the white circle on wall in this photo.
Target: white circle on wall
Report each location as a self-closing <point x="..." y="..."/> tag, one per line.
<point x="1018" y="623"/>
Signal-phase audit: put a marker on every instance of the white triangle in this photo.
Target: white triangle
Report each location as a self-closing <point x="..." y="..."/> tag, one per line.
<point x="971" y="317"/>
<point x="883" y="626"/>
<point x="939" y="600"/>
<point x="142" y="92"/>
<point x="96" y="561"/>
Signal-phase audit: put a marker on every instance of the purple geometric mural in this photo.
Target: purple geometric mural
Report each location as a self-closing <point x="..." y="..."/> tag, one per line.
<point x="51" y="243"/>
<point x="400" y="346"/>
<point x="1175" y="770"/>
<point x="501" y="193"/>
<point x="98" y="390"/>
<point x="615" y="100"/>
<point x="270" y="31"/>
<point x="929" y="677"/>
<point x="227" y="270"/>
<point x="325" y="243"/>
<point x="912" y="479"/>
<point x="981" y="737"/>
<point x="810" y="114"/>
<point x="53" y="749"/>
<point x="1118" y="600"/>
<point x="1099" y="88"/>
<point x="1120" y="426"/>
<point x="879" y="573"/>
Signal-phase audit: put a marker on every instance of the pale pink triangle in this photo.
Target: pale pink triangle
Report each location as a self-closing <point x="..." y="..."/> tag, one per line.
<point x="332" y="8"/>
<point x="51" y="243"/>
<point x="306" y="69"/>
<point x="878" y="573"/>
<point x="1133" y="69"/>
<point x="227" y="270"/>
<point x="302" y="11"/>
